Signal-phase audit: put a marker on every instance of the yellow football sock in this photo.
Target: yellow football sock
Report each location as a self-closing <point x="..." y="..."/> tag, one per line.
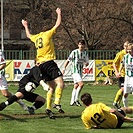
<point x="58" y="95"/>
<point x="118" y="96"/>
<point x="49" y="100"/>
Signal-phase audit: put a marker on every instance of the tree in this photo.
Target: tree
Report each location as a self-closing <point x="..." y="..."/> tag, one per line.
<point x="103" y="24"/>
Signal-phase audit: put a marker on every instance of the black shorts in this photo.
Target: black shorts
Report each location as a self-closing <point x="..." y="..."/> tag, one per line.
<point x="120" y="120"/>
<point x="121" y="82"/>
<point x="29" y="96"/>
<point x="50" y="70"/>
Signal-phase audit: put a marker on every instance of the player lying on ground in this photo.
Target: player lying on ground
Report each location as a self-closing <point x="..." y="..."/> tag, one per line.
<point x="26" y="87"/>
<point x="101" y="116"/>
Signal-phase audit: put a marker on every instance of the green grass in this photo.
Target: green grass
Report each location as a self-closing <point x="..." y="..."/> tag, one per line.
<point x="14" y="120"/>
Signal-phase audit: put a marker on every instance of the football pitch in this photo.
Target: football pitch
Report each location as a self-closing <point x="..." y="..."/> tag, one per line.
<point x="15" y="120"/>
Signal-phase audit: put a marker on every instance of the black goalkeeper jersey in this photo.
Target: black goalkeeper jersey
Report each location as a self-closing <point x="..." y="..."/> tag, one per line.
<point x="34" y="76"/>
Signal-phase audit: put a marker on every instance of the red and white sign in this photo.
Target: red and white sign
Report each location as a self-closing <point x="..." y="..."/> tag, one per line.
<point x="22" y="67"/>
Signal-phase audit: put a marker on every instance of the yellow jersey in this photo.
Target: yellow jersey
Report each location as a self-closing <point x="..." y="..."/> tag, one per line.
<point x="99" y="115"/>
<point x="118" y="60"/>
<point x="44" y="45"/>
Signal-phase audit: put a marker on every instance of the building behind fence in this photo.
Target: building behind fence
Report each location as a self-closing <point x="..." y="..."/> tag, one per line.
<point x="60" y="54"/>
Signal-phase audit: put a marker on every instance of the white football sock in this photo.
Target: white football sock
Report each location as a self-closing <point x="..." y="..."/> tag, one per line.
<point x="22" y="104"/>
<point x="125" y="101"/>
<point x="73" y="96"/>
<point x="77" y="94"/>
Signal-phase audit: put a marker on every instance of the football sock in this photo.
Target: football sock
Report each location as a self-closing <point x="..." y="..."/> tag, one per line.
<point x="49" y="100"/>
<point x="73" y="96"/>
<point x="125" y="101"/>
<point x="77" y="94"/>
<point x="58" y="95"/>
<point x="11" y="100"/>
<point x="22" y="104"/>
<point x="38" y="104"/>
<point x="118" y="96"/>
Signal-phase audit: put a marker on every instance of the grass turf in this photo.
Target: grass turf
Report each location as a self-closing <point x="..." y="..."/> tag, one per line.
<point x="15" y="120"/>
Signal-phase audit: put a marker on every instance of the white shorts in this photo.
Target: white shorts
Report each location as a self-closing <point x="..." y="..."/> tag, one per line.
<point x="128" y="84"/>
<point x="76" y="78"/>
<point x="3" y="83"/>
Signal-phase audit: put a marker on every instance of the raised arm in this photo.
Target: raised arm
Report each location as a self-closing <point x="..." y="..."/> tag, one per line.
<point x="25" y="24"/>
<point x="58" y="21"/>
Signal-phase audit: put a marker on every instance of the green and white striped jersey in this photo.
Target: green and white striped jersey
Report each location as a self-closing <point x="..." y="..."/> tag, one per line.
<point x="2" y="61"/>
<point x="78" y="58"/>
<point x="127" y="62"/>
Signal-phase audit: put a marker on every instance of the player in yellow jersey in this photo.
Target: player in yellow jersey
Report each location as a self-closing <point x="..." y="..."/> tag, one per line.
<point x="101" y="116"/>
<point x="45" y="57"/>
<point x="116" y="65"/>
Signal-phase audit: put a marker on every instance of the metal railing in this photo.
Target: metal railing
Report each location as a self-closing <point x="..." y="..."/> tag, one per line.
<point x="60" y="54"/>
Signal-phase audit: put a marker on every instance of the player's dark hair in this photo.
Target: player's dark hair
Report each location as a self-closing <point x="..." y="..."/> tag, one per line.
<point x="86" y="99"/>
<point x="82" y="42"/>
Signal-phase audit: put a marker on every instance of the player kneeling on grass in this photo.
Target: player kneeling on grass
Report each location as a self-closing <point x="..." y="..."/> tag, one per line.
<point x="26" y="87"/>
<point x="101" y="116"/>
